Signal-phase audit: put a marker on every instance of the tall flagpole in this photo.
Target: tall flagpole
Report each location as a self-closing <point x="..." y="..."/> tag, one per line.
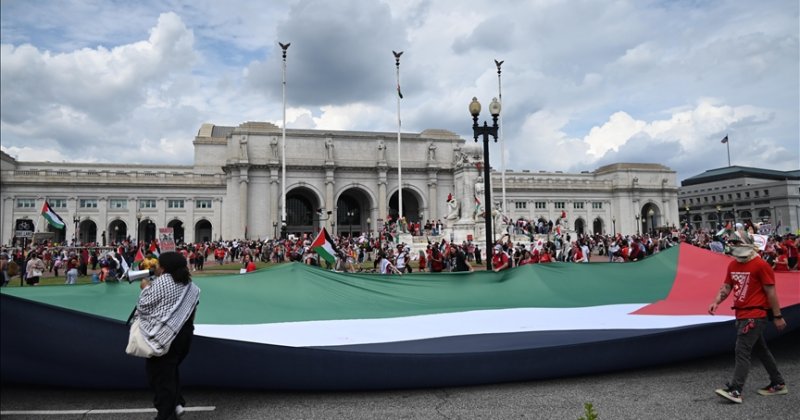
<point x="283" y="141"/>
<point x="728" y="146"/>
<point x="500" y="132"/>
<point x="399" y="161"/>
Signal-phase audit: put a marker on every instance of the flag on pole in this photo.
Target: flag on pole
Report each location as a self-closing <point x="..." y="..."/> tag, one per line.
<point x="153" y="249"/>
<point x="724" y="140"/>
<point x="138" y="258"/>
<point x="399" y="93"/>
<point x="52" y="217"/>
<point x="123" y="263"/>
<point x="324" y="246"/>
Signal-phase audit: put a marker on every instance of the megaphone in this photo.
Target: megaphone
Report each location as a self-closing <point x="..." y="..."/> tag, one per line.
<point x="134" y="275"/>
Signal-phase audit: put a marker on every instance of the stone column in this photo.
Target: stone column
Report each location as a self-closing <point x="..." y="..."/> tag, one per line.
<point x="188" y="225"/>
<point x="330" y="182"/>
<point x="433" y="208"/>
<point x="102" y="219"/>
<point x="383" y="210"/>
<point x="243" y="220"/>
<point x="274" y="196"/>
<point x="216" y="223"/>
<point x="7" y="220"/>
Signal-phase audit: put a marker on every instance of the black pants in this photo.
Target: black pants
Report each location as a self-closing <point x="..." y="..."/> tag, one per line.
<point x="163" y="375"/>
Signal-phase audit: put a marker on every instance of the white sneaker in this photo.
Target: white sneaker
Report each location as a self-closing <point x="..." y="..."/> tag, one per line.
<point x="179" y="410"/>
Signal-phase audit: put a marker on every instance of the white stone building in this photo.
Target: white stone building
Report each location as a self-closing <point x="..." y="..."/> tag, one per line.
<point x="346" y="181"/>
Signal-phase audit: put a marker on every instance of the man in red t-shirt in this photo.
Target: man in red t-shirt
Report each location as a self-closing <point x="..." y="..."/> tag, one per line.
<point x="791" y="251"/>
<point x="753" y="284"/>
<point x="500" y="259"/>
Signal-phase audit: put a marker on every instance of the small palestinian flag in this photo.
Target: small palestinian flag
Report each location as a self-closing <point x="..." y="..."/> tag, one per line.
<point x="138" y="259"/>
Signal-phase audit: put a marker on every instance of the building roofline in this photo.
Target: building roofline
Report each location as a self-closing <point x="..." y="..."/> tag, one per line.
<point x="734" y="172"/>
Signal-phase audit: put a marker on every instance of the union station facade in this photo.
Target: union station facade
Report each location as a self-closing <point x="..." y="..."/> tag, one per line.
<point x="345" y="181"/>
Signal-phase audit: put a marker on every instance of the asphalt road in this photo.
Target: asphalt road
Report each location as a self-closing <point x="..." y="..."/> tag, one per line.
<point x="677" y="391"/>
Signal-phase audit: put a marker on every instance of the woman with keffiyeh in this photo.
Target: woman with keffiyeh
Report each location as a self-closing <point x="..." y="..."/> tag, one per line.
<point x="166" y="311"/>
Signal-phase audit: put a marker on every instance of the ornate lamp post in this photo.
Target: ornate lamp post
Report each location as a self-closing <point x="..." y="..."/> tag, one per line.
<point x="637" y="223"/>
<point x="688" y="218"/>
<point x="274" y="230"/>
<point x="350" y="213"/>
<point x="614" y="226"/>
<point x="486" y="131"/>
<point x="75" y="219"/>
<point x="369" y="227"/>
<point x="652" y="215"/>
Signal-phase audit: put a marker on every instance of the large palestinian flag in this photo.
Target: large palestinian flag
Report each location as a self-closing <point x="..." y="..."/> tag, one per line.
<point x="300" y="327"/>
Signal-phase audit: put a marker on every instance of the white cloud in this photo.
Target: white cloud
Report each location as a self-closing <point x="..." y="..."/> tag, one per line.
<point x="584" y="83"/>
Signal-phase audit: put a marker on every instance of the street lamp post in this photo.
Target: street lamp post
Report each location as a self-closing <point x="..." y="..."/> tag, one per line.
<point x="614" y="226"/>
<point x="350" y="213"/>
<point x="274" y="230"/>
<point x="688" y="218"/>
<point x="116" y="234"/>
<point x="486" y="131"/>
<point x="369" y="227"/>
<point x="637" y="223"/>
<point x="75" y="219"/>
<point x="652" y="215"/>
<point x="719" y="217"/>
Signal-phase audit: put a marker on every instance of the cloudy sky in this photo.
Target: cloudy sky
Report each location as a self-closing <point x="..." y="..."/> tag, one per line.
<point x="585" y="83"/>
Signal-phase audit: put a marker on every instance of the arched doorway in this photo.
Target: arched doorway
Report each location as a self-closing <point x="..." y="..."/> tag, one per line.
<point x="764" y="215"/>
<point x="746" y="217"/>
<point x="697" y="221"/>
<point x="597" y="226"/>
<point x="712" y="221"/>
<point x="352" y="212"/>
<point x="177" y="230"/>
<point x="412" y="210"/>
<point x="202" y="231"/>
<point x="87" y="232"/>
<point x="729" y="218"/>
<point x="301" y="208"/>
<point x="147" y="230"/>
<point x="580" y="226"/>
<point x="650" y="218"/>
<point x="118" y="231"/>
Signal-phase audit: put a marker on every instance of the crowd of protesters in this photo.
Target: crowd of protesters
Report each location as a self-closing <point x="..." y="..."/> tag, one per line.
<point x="546" y="245"/>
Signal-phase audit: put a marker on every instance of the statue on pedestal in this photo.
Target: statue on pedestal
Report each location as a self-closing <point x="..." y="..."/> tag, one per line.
<point x="453" y="208"/>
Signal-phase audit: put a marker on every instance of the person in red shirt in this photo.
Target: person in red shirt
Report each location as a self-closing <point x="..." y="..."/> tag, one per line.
<point x="249" y="265"/>
<point x="791" y="251"/>
<point x="500" y="260"/>
<point x="423" y="262"/>
<point x="781" y="261"/>
<point x="754" y="300"/>
<point x="219" y="254"/>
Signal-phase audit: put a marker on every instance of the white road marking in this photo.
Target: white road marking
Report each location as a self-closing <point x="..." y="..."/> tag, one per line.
<point x="92" y="411"/>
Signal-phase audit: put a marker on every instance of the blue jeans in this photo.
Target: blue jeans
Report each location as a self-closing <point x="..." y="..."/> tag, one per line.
<point x="750" y="340"/>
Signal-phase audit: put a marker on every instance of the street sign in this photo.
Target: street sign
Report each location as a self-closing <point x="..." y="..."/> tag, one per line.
<point x="23" y="228"/>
